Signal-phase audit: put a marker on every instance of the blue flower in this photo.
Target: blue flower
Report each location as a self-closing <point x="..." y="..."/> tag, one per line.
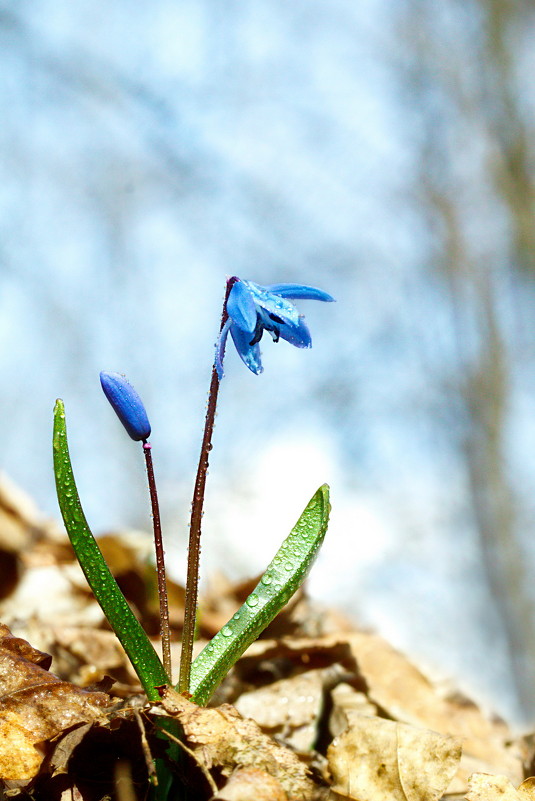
<point x="253" y="309"/>
<point x="126" y="404"/>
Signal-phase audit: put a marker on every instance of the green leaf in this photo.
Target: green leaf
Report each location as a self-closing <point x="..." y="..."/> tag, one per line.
<point x="283" y="577"/>
<point x="135" y="642"/>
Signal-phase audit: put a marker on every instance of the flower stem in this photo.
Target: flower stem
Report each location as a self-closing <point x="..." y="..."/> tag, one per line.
<point x="194" y="547"/>
<point x="160" y="561"/>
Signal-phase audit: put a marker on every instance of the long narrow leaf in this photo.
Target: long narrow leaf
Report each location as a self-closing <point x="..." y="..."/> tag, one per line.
<point x="284" y="575"/>
<point x="106" y="590"/>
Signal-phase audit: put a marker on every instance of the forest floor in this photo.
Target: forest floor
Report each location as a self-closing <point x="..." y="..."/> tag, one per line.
<point x="313" y="710"/>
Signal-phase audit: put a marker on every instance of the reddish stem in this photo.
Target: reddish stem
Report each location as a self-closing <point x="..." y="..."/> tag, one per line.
<point x="194" y="547"/>
<point x="160" y="562"/>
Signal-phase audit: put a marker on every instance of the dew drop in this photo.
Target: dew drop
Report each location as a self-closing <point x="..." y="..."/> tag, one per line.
<point x="289" y="566"/>
<point x="266" y="579"/>
<point x="226" y="631"/>
<point x="236" y="616"/>
<point x="252" y="600"/>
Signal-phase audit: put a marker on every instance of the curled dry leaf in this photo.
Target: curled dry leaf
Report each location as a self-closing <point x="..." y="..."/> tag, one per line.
<point x="221" y="738"/>
<point x="87" y="655"/>
<point x="249" y="783"/>
<point x="380" y="760"/>
<point x="347" y="704"/>
<point x="35" y="706"/>
<point x="63" y="748"/>
<point x="291" y="707"/>
<point x="484" y="787"/>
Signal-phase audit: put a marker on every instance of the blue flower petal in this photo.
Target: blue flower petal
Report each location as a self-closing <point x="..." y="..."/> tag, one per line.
<point x="241" y="306"/>
<point x="249" y="354"/>
<point x="297" y="335"/>
<point x="299" y="292"/>
<point x="253" y="309"/>
<point x="126" y="404"/>
<point x="220" y="348"/>
<point x="275" y="305"/>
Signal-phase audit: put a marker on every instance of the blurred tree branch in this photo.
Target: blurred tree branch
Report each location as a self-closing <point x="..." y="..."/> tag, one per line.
<point x="468" y="110"/>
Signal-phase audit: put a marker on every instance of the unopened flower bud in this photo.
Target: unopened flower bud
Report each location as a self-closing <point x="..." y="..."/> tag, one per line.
<point x="126" y="404"/>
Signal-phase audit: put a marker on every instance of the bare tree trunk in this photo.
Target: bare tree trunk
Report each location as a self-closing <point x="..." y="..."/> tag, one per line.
<point x="486" y="394"/>
<point x="474" y="99"/>
<point x="511" y="160"/>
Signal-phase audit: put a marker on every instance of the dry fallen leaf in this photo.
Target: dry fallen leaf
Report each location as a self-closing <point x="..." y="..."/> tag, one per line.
<point x="52" y="592"/>
<point x="35" y="706"/>
<point x="221" y="738"/>
<point x="64" y="747"/>
<point x="249" y="783"/>
<point x="87" y="654"/>
<point x="381" y="760"/>
<point x="398" y="687"/>
<point x="19" y="517"/>
<point x="291" y="707"/>
<point x="347" y="703"/>
<point x="484" y="787"/>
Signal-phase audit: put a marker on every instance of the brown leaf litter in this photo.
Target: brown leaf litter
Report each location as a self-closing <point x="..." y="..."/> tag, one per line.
<point x="223" y="739"/>
<point x="319" y="710"/>
<point x="35" y="707"/>
<point x="498" y="788"/>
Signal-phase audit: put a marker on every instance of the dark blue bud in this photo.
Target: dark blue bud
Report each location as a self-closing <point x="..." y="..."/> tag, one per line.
<point x="126" y="404"/>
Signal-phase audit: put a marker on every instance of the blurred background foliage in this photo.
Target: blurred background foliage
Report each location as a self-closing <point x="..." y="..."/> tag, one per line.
<point x="384" y="152"/>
